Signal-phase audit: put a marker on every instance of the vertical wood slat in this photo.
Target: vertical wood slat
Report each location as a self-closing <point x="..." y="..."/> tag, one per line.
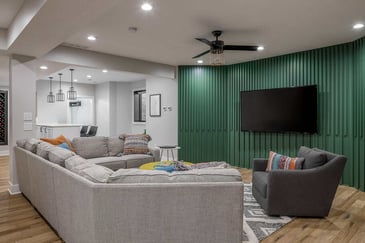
<point x="209" y="107"/>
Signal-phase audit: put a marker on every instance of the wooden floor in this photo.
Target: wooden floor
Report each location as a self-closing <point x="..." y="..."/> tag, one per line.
<point x="19" y="222"/>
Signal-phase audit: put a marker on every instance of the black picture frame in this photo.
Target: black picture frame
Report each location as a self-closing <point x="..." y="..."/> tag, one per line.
<point x="155" y="105"/>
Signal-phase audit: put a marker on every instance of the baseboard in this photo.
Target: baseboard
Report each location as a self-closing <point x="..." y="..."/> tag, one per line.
<point x="13" y="189"/>
<point x="4" y="153"/>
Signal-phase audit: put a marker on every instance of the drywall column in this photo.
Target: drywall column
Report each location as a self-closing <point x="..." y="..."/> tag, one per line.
<point x="4" y="85"/>
<point x="22" y="100"/>
<point x="113" y="109"/>
<point x="163" y="130"/>
<point x="102" y="105"/>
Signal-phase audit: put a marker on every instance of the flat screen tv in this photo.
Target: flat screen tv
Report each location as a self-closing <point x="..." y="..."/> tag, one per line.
<point x="280" y="110"/>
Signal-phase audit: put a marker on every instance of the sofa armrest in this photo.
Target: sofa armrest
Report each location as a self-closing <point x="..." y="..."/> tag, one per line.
<point x="155" y="153"/>
<point x="307" y="192"/>
<point x="259" y="164"/>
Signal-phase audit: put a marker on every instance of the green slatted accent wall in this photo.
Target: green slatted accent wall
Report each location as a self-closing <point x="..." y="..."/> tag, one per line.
<point x="209" y="107"/>
<point x="203" y="113"/>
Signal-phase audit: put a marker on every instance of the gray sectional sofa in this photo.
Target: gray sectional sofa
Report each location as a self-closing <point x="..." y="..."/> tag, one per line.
<point x="105" y="150"/>
<point x="132" y="206"/>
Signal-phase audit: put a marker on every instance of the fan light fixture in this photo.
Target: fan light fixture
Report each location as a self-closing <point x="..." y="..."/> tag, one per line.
<point x="217" y="57"/>
<point x="50" y="96"/>
<point x="72" y="93"/>
<point x="217" y="48"/>
<point x="60" y="96"/>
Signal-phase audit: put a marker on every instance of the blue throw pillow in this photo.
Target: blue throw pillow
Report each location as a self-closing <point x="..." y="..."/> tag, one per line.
<point x="64" y="145"/>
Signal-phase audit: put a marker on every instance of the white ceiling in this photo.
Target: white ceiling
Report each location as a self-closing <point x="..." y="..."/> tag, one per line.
<point x="166" y="34"/>
<point x="8" y="11"/>
<point x="80" y="73"/>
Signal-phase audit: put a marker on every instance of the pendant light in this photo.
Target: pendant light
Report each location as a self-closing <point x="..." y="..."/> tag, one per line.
<point x="60" y="96"/>
<point x="50" y="96"/>
<point x="72" y="94"/>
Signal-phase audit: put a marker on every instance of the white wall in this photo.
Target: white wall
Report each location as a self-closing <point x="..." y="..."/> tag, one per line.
<point x="57" y="112"/>
<point x="164" y="129"/>
<point x="114" y="103"/>
<point x="22" y="99"/>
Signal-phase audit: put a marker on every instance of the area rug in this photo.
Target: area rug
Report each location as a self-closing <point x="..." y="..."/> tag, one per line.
<point x="256" y="224"/>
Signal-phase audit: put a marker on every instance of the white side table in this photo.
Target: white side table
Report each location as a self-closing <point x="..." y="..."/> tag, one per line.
<point x="168" y="149"/>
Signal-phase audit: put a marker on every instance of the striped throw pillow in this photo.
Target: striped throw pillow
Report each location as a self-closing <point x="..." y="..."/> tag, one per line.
<point x="136" y="144"/>
<point x="282" y="162"/>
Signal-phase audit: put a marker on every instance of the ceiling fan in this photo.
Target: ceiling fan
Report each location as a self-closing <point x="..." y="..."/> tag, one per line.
<point x="218" y="46"/>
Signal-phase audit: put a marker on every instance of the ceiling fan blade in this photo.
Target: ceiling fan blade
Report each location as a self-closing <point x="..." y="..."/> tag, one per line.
<point x="204" y="41"/>
<point x="201" y="54"/>
<point x="240" y="48"/>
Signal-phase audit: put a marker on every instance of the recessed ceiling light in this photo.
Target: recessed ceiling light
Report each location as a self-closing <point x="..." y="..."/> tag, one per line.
<point x="146" y="7"/>
<point x="43" y="67"/>
<point x="105" y="71"/>
<point x="91" y="38"/>
<point x="75" y="80"/>
<point x="260" y="48"/>
<point x="89" y="76"/>
<point x="200" y="61"/>
<point x="358" y="26"/>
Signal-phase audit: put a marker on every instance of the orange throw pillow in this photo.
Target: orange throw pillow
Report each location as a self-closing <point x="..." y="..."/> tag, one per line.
<point x="58" y="140"/>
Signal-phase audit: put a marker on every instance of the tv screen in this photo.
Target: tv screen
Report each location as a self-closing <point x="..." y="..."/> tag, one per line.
<point x="280" y="110"/>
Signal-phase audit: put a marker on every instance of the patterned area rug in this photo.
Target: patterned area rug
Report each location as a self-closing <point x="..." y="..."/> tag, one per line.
<point x="256" y="224"/>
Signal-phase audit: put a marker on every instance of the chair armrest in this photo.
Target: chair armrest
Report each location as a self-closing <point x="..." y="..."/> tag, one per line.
<point x="155" y="153"/>
<point x="307" y="192"/>
<point x="259" y="164"/>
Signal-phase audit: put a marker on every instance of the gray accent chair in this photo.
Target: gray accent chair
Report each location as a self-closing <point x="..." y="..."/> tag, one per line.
<point x="306" y="193"/>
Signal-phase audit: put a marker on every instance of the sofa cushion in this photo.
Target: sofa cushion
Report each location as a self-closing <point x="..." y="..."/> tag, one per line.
<point x="136" y="160"/>
<point x="312" y="158"/>
<point x="91" y="147"/>
<point x="58" y="155"/>
<point x="90" y="171"/>
<point x="113" y="163"/>
<point x="76" y="164"/>
<point x="115" y="146"/>
<point x="259" y="181"/>
<point x="281" y="162"/>
<point x="21" y="143"/>
<point x="59" y="140"/>
<point x="158" y="176"/>
<point x="43" y="149"/>
<point x="135" y="144"/>
<point x="31" y="144"/>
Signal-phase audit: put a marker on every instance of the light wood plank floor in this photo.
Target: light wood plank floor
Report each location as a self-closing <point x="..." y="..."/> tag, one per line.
<point x="19" y="222"/>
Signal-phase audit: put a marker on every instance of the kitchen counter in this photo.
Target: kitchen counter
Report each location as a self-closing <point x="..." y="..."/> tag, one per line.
<point x="54" y="130"/>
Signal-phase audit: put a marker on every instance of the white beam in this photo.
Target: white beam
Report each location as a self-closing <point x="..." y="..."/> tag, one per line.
<point x="79" y="57"/>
